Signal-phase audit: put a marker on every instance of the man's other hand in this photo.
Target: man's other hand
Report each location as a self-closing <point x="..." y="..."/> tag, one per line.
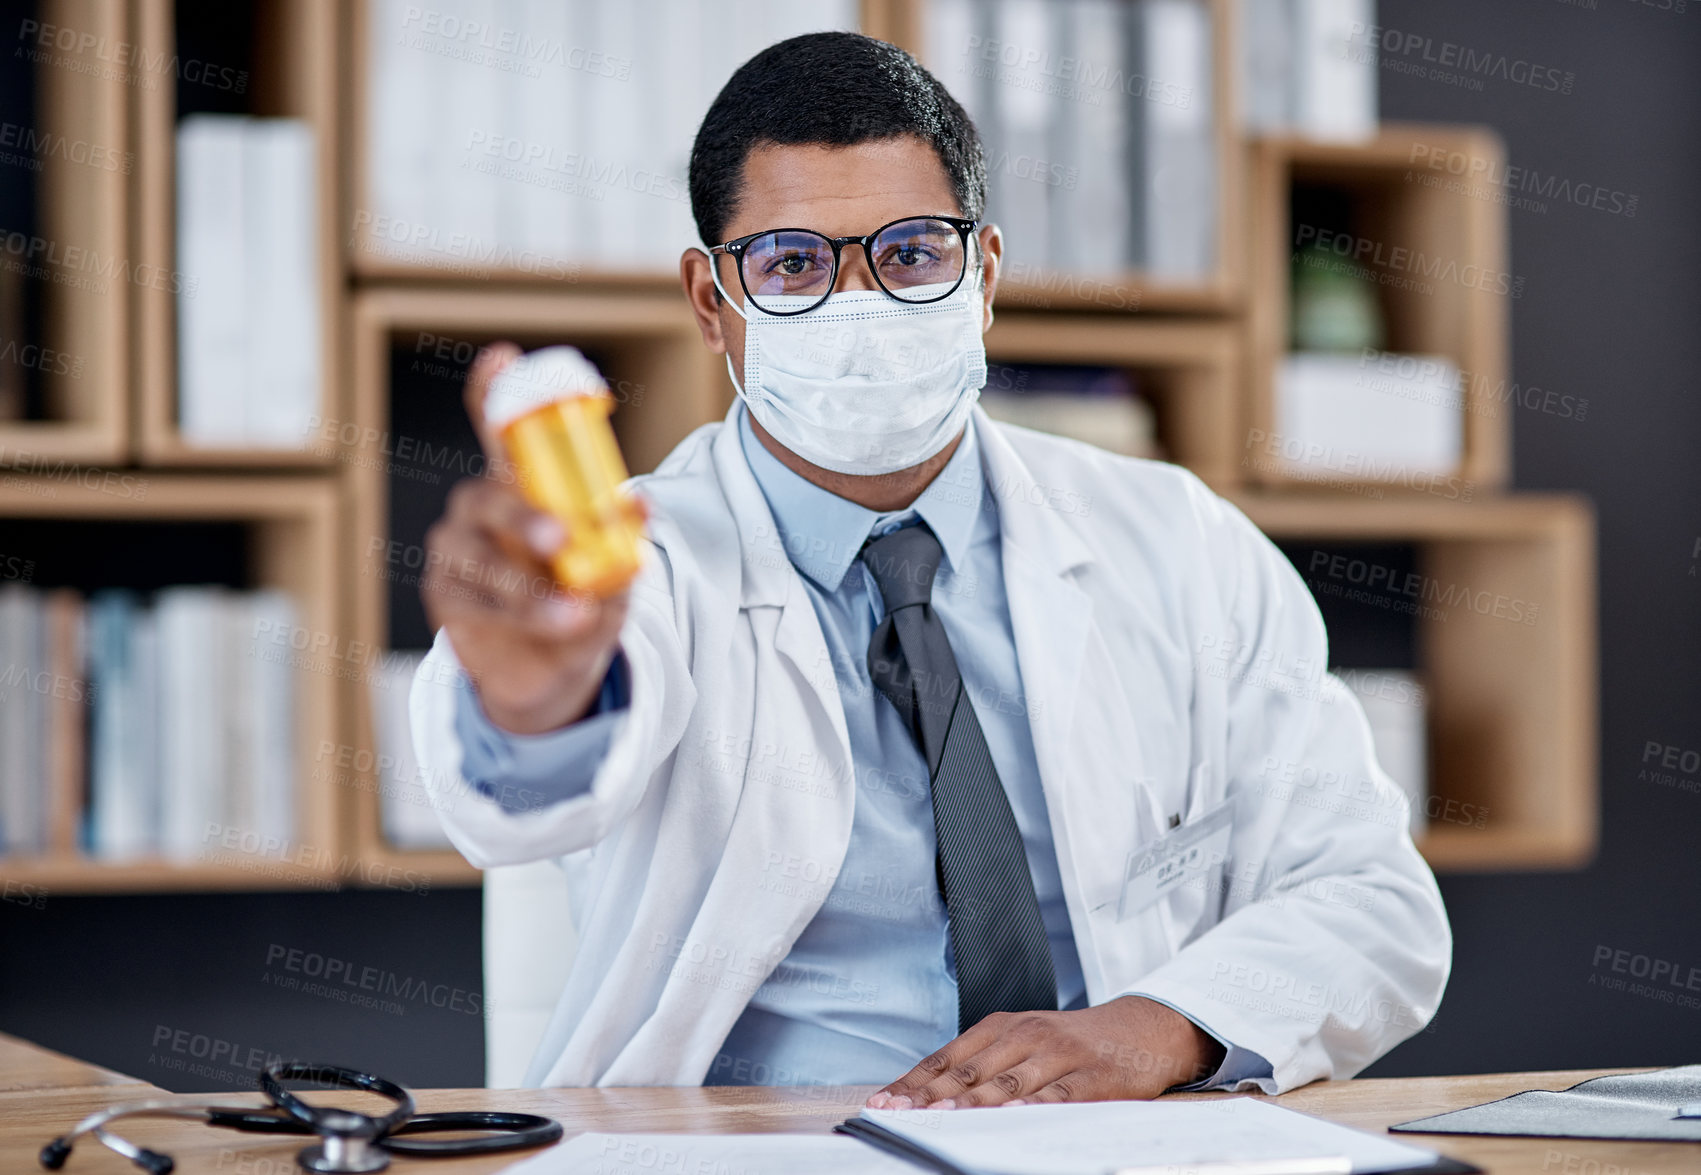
<point x="1129" y="1048"/>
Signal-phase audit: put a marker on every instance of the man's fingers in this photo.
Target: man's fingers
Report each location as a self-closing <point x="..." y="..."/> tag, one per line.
<point x="903" y="1092"/>
<point x="486" y="366"/>
<point x="1071" y="1087"/>
<point x="973" y="1072"/>
<point x="1017" y="1081"/>
<point x="476" y="578"/>
<point x="505" y="518"/>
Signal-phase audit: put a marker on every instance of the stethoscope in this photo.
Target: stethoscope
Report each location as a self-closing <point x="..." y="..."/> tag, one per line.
<point x="350" y="1143"/>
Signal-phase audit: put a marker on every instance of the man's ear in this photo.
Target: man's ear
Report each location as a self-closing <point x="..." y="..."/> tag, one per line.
<point x="991" y="257"/>
<point x="696" y="276"/>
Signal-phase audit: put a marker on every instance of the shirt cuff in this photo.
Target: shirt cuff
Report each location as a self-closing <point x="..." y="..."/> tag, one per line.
<point x="526" y="772"/>
<point x="1241" y="1069"/>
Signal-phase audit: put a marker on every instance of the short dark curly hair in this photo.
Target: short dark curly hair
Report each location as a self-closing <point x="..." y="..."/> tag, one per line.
<point x="836" y="89"/>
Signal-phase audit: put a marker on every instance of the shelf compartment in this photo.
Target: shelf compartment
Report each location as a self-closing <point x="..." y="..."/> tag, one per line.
<point x="289" y="541"/>
<point x="900" y="22"/>
<point x="78" y="270"/>
<point x="295" y="54"/>
<point x="1413" y="227"/>
<point x="664" y="382"/>
<point x="1505" y="639"/>
<point x="1187" y="370"/>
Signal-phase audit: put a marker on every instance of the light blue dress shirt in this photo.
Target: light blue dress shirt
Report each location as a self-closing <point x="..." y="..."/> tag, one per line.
<point x="869" y="987"/>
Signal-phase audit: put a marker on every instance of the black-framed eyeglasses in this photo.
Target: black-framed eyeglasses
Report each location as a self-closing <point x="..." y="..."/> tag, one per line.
<point x="789" y="271"/>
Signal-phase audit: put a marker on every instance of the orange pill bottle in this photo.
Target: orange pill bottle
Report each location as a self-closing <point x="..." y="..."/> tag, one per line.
<point x="551" y="409"/>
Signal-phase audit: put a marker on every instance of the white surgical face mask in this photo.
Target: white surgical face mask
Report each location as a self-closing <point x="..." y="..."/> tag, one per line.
<point x="864" y="384"/>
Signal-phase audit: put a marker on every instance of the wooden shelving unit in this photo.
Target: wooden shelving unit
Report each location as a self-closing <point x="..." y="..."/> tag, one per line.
<point x="1504" y="609"/>
<point x="1512" y="705"/>
<point x="296" y="75"/>
<point x="291" y="526"/>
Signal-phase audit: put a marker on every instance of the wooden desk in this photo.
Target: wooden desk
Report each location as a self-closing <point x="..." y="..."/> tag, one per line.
<point x="31" y="1114"/>
<point x="26" y="1066"/>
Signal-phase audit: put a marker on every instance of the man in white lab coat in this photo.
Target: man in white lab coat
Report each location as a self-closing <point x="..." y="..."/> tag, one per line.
<point x="925" y="752"/>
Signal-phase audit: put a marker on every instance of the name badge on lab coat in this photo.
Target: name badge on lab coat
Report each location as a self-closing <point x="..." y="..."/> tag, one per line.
<point x="1183" y="854"/>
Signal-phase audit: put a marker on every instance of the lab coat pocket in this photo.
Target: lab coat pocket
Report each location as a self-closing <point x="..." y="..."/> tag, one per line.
<point x="1179" y="876"/>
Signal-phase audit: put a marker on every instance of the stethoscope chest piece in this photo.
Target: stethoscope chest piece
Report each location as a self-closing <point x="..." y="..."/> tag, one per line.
<point x="348" y="1146"/>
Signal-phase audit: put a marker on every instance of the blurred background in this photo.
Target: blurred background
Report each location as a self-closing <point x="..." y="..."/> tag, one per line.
<point x="1413" y="283"/>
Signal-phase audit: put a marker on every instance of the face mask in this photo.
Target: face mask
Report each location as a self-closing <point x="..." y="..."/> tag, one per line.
<point x="864" y="384"/>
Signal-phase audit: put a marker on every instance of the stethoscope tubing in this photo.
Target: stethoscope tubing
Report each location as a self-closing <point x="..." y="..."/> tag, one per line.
<point x="515" y="1131"/>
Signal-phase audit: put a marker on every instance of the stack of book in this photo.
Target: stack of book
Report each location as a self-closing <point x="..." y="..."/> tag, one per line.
<point x="1096" y="116"/>
<point x="524" y="134"/>
<point x="1098" y="405"/>
<point x="408" y="811"/>
<point x="1308" y="67"/>
<point x="1397" y="708"/>
<point x="44" y="697"/>
<point x="249" y="350"/>
<point x="133" y="729"/>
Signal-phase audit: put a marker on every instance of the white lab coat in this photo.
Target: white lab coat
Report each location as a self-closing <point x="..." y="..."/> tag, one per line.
<point x="1171" y="660"/>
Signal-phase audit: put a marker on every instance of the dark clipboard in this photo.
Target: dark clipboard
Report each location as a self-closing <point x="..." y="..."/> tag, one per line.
<point x="895" y="1144"/>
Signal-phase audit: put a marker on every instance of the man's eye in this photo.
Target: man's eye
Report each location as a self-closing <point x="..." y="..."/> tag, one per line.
<point x="791" y="265"/>
<point x="910" y="255"/>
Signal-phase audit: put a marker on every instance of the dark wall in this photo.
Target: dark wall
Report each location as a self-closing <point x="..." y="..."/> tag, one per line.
<point x="1610" y="312"/>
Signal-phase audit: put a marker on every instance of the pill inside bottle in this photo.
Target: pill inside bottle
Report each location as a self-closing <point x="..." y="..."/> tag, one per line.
<point x="551" y="409"/>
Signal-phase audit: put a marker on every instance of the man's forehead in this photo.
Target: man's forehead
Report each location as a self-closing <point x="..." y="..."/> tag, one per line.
<point x="842" y="191"/>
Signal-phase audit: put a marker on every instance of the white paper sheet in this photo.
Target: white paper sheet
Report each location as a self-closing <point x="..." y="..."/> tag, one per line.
<point x="1099" y="1137"/>
<point x="712" y="1154"/>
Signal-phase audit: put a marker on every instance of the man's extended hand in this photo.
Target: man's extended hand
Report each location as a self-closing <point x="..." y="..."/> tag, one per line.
<point x="1131" y="1047"/>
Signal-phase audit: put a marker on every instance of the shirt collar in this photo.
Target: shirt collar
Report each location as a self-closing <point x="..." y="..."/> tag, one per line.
<point x="823" y="533"/>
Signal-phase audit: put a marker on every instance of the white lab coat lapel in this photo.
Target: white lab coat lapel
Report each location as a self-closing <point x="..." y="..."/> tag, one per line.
<point x="1084" y="732"/>
<point x="797" y="800"/>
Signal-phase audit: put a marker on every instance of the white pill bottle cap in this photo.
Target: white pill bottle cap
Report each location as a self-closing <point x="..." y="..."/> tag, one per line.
<point x="538" y="378"/>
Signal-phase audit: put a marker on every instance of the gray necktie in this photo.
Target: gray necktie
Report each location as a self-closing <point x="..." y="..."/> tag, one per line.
<point x="1002" y="952"/>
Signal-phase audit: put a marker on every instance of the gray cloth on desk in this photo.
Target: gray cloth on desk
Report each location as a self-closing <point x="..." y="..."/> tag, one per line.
<point x="1629" y="1106"/>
